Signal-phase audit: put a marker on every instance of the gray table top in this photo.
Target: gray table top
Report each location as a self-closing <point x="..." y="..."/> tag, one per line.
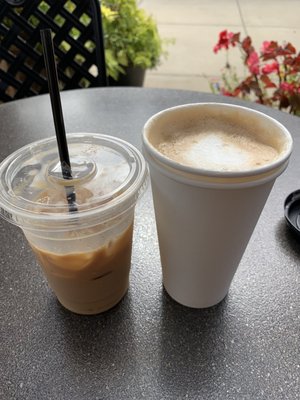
<point x="148" y="346"/>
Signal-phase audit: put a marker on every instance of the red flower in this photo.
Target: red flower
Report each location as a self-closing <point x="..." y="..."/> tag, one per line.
<point x="225" y="92"/>
<point x="266" y="47"/>
<point x="253" y="63"/>
<point x="287" y="87"/>
<point x="224" y="41"/>
<point x="269" y="68"/>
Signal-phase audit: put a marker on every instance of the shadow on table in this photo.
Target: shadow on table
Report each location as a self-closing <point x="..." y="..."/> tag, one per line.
<point x="192" y="347"/>
<point x="101" y="345"/>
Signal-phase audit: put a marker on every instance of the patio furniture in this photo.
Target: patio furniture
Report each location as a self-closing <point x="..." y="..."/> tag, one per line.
<point x="78" y="43"/>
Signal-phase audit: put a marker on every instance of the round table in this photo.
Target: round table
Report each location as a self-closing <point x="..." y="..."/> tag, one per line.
<point x="148" y="346"/>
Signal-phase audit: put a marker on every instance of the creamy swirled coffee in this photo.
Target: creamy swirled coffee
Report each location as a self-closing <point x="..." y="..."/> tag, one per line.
<point x="217" y="143"/>
<point x="93" y="281"/>
<point x="83" y="245"/>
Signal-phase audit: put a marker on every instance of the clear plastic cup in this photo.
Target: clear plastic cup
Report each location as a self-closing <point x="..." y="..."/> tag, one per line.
<point x="205" y="217"/>
<point x="85" y="254"/>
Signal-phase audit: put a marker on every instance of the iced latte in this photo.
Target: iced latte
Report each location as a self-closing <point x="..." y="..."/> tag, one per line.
<point x="84" y="248"/>
<point x="90" y="282"/>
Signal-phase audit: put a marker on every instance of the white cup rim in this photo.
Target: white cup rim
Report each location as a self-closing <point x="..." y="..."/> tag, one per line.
<point x="198" y="172"/>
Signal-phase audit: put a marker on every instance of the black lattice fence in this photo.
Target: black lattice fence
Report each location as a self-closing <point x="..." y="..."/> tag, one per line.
<point x="78" y="43"/>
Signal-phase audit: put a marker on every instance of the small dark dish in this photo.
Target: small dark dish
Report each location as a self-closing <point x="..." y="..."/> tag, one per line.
<point x="292" y="211"/>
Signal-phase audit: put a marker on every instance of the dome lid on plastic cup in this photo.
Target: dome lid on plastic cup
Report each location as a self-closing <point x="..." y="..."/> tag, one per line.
<point x="108" y="174"/>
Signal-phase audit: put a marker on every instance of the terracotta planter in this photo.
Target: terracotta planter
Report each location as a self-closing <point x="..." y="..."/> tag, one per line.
<point x="134" y="77"/>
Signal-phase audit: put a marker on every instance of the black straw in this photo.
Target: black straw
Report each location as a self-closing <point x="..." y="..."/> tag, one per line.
<point x="51" y="70"/>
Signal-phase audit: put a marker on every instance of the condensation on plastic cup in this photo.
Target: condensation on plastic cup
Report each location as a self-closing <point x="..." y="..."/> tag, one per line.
<point x="85" y="254"/>
<point x="205" y="218"/>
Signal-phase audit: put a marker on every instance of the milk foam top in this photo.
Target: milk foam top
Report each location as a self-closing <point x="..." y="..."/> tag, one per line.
<point x="217" y="145"/>
<point x="217" y="138"/>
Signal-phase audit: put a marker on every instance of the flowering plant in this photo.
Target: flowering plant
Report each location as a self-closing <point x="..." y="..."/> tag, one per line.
<point x="273" y="74"/>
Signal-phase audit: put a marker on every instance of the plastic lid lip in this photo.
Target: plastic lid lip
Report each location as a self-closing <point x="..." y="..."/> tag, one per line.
<point x="124" y="196"/>
<point x="214" y="173"/>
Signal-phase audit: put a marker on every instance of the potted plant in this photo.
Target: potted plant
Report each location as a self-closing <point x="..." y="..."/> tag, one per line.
<point x="132" y="42"/>
<point x="273" y="73"/>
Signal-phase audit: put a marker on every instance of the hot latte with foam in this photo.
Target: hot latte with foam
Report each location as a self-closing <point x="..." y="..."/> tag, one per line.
<point x="218" y="144"/>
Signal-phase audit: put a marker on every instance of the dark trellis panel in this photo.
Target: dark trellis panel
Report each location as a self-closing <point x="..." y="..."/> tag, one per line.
<point x="78" y="43"/>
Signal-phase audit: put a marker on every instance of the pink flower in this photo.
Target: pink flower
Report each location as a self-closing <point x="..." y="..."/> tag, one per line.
<point x="269" y="68"/>
<point x="225" y="92"/>
<point x="287" y="87"/>
<point x="253" y="63"/>
<point x="265" y="47"/>
<point x="224" y="41"/>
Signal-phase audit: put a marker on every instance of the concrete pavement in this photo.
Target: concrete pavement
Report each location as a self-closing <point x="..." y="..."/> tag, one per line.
<point x="195" y="25"/>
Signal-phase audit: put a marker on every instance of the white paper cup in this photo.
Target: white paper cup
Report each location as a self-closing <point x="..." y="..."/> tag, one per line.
<point x="205" y="218"/>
